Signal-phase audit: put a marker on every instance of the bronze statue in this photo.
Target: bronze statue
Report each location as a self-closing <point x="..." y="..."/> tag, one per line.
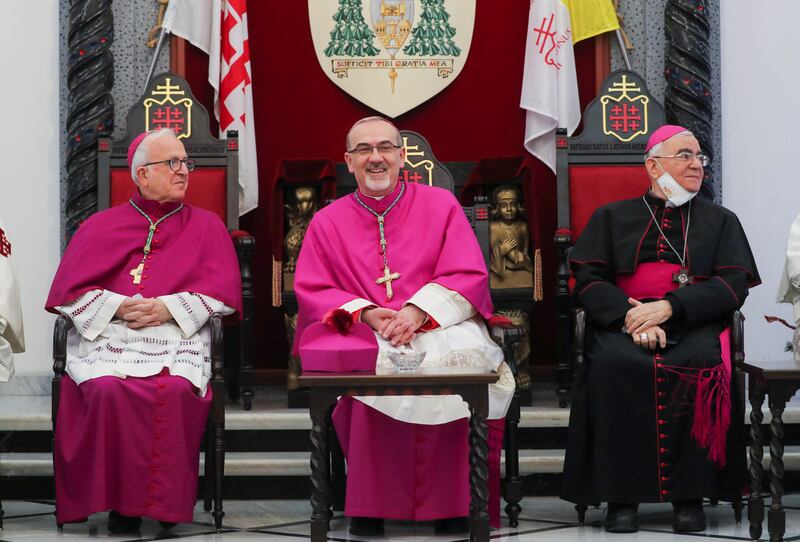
<point x="511" y="265"/>
<point x="298" y="216"/>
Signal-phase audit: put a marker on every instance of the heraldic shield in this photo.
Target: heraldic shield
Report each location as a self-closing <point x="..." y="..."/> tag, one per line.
<point x="169" y="106"/>
<point x="392" y="55"/>
<point x="625" y="107"/>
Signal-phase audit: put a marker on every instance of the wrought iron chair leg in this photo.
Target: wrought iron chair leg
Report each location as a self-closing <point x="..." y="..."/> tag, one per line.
<point x="737" y="509"/>
<point x="216" y="436"/>
<point x="512" y="483"/>
<point x="581" y="509"/>
<point x="208" y="470"/>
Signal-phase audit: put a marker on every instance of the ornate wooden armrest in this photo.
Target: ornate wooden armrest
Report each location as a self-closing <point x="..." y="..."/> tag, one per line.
<point x="506" y="334"/>
<point x="737" y="338"/>
<point x="62" y="325"/>
<point x="244" y="243"/>
<point x="243" y="385"/>
<point x="579" y="318"/>
<point x="217" y="346"/>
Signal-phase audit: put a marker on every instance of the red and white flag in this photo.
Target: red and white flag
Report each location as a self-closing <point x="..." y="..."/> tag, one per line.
<point x="549" y="84"/>
<point x="219" y="27"/>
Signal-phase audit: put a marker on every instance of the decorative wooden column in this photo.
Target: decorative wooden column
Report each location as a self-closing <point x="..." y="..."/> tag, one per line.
<point x="688" y="100"/>
<point x="90" y="77"/>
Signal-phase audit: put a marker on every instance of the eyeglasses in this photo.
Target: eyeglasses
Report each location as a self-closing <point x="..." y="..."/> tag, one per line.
<point x="175" y="164"/>
<point x="686" y="157"/>
<point x="365" y="150"/>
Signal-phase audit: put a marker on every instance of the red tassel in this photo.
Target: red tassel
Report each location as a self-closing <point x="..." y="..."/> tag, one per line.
<point x="339" y="320"/>
<point x="712" y="408"/>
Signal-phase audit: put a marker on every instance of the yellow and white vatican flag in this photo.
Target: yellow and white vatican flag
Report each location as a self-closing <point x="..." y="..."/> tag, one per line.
<point x="591" y="17"/>
<point x="549" y="83"/>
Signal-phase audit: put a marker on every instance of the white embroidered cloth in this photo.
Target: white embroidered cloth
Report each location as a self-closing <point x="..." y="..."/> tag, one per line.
<point x="461" y="340"/>
<point x="101" y="345"/>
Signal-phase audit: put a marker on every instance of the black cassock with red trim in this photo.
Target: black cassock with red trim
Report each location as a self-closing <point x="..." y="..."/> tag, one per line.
<point x="665" y="424"/>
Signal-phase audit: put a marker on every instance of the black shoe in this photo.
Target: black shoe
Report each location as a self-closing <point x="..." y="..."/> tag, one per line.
<point x="119" y="524"/>
<point x="366" y="526"/>
<point x="688" y="516"/>
<point x="451" y="526"/>
<point x="621" y="518"/>
<point x="167" y="524"/>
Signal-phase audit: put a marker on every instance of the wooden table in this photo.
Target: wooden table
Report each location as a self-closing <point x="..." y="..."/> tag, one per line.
<point x="470" y="384"/>
<point x="780" y="380"/>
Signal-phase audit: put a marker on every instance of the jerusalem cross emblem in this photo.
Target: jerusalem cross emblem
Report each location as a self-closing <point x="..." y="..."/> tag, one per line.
<point x="624" y="111"/>
<point x="168" y="107"/>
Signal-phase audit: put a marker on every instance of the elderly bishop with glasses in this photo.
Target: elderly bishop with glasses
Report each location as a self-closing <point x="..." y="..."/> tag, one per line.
<point x="657" y="415"/>
<point x="401" y="258"/>
<point x="139" y="281"/>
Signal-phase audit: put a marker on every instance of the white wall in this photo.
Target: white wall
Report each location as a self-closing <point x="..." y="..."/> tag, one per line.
<point x="29" y="158"/>
<point x="761" y="148"/>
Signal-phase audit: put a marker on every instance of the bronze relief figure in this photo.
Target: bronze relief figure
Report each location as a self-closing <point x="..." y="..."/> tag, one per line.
<point x="511" y="263"/>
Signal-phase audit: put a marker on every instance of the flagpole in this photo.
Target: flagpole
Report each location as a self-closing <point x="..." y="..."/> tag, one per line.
<point x="621" y="48"/>
<point x="155" y="58"/>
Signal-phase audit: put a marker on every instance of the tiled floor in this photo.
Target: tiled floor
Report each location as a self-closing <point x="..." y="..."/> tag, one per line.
<point x="543" y="520"/>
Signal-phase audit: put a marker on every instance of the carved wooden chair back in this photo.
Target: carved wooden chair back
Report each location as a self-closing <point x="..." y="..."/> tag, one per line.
<point x="603" y="164"/>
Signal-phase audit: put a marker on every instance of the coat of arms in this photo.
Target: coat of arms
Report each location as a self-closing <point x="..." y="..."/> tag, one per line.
<point x="624" y="110"/>
<point x="392" y="55"/>
<point x="169" y="107"/>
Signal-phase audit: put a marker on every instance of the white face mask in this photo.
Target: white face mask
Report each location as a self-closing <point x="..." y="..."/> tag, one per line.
<point x="676" y="194"/>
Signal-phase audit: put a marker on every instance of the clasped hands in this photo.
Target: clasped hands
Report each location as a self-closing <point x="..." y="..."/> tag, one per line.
<point x="143" y="312"/>
<point x="397" y="327"/>
<point x="642" y="322"/>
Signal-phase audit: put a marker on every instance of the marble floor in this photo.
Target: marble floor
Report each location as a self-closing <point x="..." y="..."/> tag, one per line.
<point x="544" y="519"/>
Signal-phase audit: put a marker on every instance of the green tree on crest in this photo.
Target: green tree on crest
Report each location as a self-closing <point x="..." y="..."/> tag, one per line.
<point x="351" y="36"/>
<point x="433" y="36"/>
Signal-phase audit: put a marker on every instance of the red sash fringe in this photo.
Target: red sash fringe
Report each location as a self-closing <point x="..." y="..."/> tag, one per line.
<point x="712" y="403"/>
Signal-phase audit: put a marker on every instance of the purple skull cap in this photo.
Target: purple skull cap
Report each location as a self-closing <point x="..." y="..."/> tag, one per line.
<point x="662" y="134"/>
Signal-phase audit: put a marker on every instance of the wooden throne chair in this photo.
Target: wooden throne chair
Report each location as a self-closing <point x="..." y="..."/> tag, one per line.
<point x="168" y="102"/>
<point x="609" y="153"/>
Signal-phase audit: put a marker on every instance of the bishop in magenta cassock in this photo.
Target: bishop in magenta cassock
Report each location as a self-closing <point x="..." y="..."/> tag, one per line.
<point x="403" y="259"/>
<point x="655" y="415"/>
<point x="139" y="281"/>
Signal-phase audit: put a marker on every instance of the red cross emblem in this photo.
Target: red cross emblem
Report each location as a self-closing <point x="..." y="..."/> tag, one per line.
<point x="5" y="245"/>
<point x="169" y="107"/>
<point x="167" y="116"/>
<point x="624" y="110"/>
<point x="409" y="176"/>
<point x="625" y="118"/>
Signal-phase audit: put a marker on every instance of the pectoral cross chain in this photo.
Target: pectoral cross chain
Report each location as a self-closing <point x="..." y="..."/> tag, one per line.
<point x="136" y="272"/>
<point x="388" y="276"/>
<point x="387" y="279"/>
<point x="682" y="278"/>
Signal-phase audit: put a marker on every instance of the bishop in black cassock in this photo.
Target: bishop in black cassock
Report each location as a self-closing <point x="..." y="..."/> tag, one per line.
<point x="656" y="414"/>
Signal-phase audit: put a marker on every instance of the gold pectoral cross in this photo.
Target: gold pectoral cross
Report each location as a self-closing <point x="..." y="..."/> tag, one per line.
<point x="682" y="278"/>
<point x="387" y="278"/>
<point x="136" y="273"/>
